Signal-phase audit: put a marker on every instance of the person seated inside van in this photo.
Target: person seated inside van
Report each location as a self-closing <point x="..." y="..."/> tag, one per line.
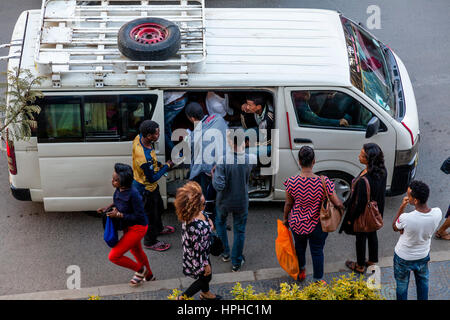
<point x="308" y="116"/>
<point x="338" y="105"/>
<point x="257" y="114"/>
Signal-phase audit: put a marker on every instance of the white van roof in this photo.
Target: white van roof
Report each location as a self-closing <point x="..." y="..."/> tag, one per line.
<point x="244" y="47"/>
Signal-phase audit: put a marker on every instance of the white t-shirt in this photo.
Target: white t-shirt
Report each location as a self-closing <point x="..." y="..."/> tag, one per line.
<point x="418" y="228"/>
<point x="217" y="104"/>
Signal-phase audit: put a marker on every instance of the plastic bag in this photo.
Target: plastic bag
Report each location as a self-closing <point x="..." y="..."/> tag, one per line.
<point x="110" y="235"/>
<point x="286" y="255"/>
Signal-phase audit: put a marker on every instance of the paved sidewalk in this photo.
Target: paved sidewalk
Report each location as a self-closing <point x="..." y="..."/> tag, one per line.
<point x="261" y="280"/>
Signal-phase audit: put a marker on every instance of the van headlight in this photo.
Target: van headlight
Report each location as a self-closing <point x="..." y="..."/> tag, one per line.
<point x="406" y="157"/>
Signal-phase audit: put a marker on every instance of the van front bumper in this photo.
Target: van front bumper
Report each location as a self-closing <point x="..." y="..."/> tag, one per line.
<point x="21" y="194"/>
<point x="402" y="177"/>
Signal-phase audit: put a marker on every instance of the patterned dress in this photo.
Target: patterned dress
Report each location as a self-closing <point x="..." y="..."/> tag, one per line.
<point x="308" y="193"/>
<point x="196" y="240"/>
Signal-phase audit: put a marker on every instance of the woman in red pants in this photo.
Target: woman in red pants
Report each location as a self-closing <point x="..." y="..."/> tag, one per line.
<point x="128" y="206"/>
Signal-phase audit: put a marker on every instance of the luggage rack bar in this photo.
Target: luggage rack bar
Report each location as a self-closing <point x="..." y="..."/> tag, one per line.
<point x="81" y="37"/>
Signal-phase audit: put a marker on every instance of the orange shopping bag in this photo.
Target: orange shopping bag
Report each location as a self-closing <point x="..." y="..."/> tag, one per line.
<point x="286" y="255"/>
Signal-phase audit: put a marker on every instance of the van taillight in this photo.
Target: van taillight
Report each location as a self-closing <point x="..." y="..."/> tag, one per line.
<point x="11" y="157"/>
<point x="410" y="133"/>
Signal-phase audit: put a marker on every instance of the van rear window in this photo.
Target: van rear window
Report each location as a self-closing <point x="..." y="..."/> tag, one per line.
<point x="60" y="119"/>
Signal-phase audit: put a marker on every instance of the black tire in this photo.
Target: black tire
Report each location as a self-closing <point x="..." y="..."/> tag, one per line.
<point x="162" y="50"/>
<point x="342" y="181"/>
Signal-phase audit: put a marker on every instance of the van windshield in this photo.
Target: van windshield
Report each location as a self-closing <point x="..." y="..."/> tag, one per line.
<point x="368" y="69"/>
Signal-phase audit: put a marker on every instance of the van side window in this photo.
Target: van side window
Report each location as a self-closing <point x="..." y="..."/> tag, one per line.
<point x="101" y="117"/>
<point x="330" y="109"/>
<point x="133" y="110"/>
<point x="93" y="118"/>
<point x="60" y="118"/>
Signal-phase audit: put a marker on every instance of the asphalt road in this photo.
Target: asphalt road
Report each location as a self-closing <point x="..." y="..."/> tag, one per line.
<point x="37" y="247"/>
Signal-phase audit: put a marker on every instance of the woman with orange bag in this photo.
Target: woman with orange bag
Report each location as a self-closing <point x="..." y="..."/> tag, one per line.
<point x="304" y="194"/>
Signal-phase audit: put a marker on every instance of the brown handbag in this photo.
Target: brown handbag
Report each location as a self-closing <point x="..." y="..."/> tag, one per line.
<point x="370" y="220"/>
<point x="330" y="216"/>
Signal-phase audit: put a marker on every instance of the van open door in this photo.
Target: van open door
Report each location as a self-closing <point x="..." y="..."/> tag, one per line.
<point x="336" y="123"/>
<point x="81" y="135"/>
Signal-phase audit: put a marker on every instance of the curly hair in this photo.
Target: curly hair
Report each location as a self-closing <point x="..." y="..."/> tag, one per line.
<point x="419" y="191"/>
<point x="188" y="201"/>
<point x="375" y="158"/>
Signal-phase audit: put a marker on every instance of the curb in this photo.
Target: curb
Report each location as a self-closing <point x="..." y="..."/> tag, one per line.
<point x="231" y="277"/>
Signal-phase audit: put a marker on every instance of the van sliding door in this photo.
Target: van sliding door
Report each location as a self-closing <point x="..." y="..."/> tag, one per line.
<point x="80" y="138"/>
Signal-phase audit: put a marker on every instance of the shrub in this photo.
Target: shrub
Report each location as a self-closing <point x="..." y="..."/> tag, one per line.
<point x="346" y="287"/>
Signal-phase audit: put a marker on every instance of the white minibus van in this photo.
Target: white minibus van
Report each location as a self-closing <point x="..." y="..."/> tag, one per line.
<point x="95" y="97"/>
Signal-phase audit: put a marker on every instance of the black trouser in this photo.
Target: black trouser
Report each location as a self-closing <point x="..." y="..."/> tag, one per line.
<point x="209" y="193"/>
<point x="154" y="207"/>
<point x="202" y="283"/>
<point x="372" y="240"/>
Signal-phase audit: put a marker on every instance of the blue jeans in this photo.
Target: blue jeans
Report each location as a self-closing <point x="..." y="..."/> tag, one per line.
<point x="316" y="243"/>
<point x="170" y="112"/>
<point x="402" y="270"/>
<point x="239" y="223"/>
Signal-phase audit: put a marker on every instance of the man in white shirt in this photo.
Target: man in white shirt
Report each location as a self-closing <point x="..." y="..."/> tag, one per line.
<point x="218" y="102"/>
<point x="412" y="251"/>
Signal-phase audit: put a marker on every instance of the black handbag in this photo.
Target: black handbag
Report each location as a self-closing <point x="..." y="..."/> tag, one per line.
<point x="216" y="248"/>
<point x="446" y="166"/>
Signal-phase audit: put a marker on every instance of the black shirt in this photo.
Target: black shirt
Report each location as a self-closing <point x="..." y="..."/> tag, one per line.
<point x="358" y="199"/>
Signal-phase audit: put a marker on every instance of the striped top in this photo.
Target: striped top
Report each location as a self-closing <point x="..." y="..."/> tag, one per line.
<point x="307" y="193"/>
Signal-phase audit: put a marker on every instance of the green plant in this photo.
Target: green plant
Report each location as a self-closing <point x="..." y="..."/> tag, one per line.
<point x="346" y="287"/>
<point x="17" y="107"/>
<point x="177" y="293"/>
<point x="94" y="298"/>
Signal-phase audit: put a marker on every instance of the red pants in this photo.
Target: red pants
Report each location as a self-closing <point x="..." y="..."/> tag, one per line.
<point x="131" y="241"/>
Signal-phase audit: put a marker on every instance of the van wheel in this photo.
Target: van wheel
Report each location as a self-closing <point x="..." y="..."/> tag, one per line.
<point x="342" y="182"/>
<point x="147" y="39"/>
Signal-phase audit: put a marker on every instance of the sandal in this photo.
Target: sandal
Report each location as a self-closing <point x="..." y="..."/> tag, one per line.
<point x="167" y="230"/>
<point x="159" y="246"/>
<point x="369" y="263"/>
<point x="138" y="278"/>
<point x="354" y="267"/>
<point x="216" y="297"/>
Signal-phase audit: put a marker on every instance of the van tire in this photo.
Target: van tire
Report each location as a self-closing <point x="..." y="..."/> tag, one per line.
<point x="342" y="181"/>
<point x="149" y="39"/>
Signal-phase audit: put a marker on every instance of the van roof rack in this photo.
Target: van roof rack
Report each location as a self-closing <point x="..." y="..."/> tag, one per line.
<point x="81" y="37"/>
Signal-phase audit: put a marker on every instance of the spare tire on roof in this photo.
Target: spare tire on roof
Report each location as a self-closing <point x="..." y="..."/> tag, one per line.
<point x="149" y="39"/>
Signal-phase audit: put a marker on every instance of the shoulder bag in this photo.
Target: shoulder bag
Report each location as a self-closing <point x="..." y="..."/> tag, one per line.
<point x="370" y="220"/>
<point x="330" y="216"/>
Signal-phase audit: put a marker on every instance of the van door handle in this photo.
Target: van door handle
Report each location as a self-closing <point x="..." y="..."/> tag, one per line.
<point x="301" y="140"/>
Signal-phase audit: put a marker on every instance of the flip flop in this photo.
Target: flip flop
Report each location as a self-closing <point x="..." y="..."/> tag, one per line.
<point x="167" y="230"/>
<point x="159" y="246"/>
<point x="352" y="266"/>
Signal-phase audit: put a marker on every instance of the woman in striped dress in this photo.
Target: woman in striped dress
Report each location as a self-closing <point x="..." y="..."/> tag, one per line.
<point x="304" y="194"/>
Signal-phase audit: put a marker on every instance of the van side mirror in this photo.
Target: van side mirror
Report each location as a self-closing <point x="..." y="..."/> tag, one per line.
<point x="372" y="127"/>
